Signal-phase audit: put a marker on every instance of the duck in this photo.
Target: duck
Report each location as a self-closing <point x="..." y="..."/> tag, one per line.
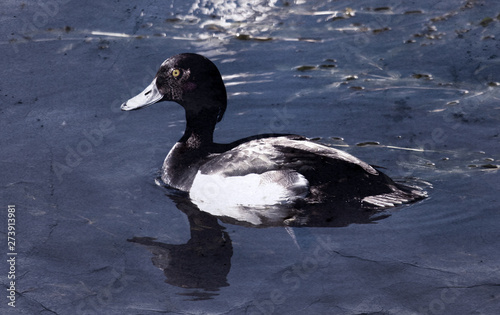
<point x="258" y="171"/>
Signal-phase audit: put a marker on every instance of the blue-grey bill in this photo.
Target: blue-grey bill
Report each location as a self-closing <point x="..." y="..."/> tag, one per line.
<point x="149" y="96"/>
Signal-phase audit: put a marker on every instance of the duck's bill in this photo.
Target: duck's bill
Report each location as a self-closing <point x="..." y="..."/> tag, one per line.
<point x="149" y="96"/>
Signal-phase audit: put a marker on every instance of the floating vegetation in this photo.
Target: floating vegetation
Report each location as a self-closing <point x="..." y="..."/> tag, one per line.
<point x="413" y="12"/>
<point x="249" y="37"/>
<point x="103" y="44"/>
<point x="214" y="27"/>
<point x="422" y="76"/>
<point x="486" y="21"/>
<point x="348" y="13"/>
<point x="382" y="9"/>
<point x="381" y="30"/>
<point x="431" y="28"/>
<point x="243" y="36"/>
<point x="324" y="66"/>
<point x="367" y="143"/>
<point x="429" y="33"/>
<point x="488" y="163"/>
<point x="173" y="20"/>
<point x="66" y="29"/>
<point x="435" y="36"/>
<point x="351" y="78"/>
<point x="305" y="68"/>
<point x="488" y="37"/>
<point x="490" y="166"/>
<point x="336" y="18"/>
<point x="444" y="17"/>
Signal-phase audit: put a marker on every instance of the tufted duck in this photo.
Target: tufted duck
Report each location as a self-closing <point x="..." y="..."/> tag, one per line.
<point x="261" y="170"/>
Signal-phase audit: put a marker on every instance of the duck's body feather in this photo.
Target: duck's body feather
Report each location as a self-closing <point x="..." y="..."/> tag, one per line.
<point x="279" y="169"/>
<point x="276" y="153"/>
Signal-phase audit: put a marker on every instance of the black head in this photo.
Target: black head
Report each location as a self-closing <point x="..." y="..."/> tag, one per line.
<point x="189" y="79"/>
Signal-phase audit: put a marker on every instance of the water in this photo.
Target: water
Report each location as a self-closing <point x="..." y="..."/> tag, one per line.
<point x="421" y="80"/>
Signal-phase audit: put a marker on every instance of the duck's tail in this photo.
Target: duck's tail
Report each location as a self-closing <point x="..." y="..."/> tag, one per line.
<point x="402" y="193"/>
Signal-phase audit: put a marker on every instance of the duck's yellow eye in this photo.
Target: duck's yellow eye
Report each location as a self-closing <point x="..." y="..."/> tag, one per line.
<point x="176" y="73"/>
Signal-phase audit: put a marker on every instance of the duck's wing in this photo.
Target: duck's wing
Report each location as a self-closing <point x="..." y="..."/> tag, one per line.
<point x="300" y="167"/>
<point x="335" y="174"/>
<point x="273" y="170"/>
<point x="264" y="154"/>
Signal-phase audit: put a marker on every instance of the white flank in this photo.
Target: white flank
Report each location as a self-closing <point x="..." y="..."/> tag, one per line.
<point x="248" y="190"/>
<point x="221" y="195"/>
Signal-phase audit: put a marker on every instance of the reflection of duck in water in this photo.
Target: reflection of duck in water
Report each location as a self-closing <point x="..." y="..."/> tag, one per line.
<point x="203" y="262"/>
<point x="327" y="214"/>
<point x="261" y="171"/>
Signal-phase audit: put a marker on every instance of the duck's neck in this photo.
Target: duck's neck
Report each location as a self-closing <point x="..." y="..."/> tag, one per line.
<point x="190" y="152"/>
<point x="199" y="131"/>
<point x="196" y="139"/>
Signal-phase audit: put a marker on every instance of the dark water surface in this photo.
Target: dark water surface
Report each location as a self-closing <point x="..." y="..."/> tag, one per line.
<point x="413" y="87"/>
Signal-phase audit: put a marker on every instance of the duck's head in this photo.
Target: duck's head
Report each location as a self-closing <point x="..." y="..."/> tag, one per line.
<point x="189" y="79"/>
